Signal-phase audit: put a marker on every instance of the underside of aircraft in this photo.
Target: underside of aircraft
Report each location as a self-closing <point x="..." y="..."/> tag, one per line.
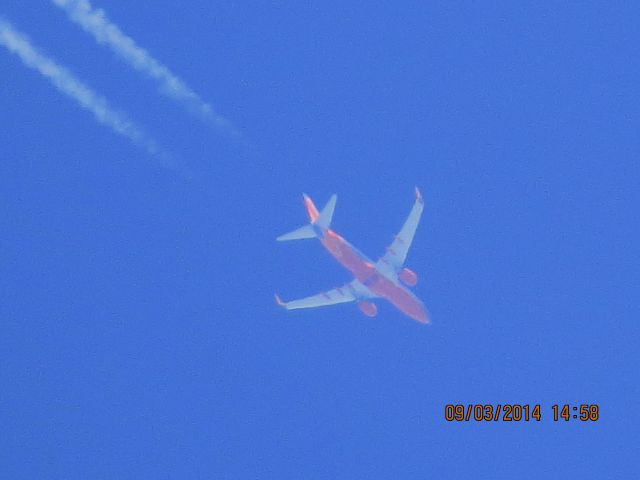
<point x="387" y="278"/>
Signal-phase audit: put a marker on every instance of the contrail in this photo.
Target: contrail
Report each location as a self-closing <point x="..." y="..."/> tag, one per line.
<point x="67" y="83"/>
<point x="105" y="32"/>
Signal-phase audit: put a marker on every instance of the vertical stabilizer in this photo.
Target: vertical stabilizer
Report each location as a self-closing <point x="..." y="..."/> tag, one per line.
<point x="321" y="219"/>
<point x="311" y="208"/>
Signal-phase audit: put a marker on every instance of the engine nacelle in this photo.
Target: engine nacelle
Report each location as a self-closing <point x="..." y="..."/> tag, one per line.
<point x="408" y="277"/>
<point x="368" y="308"/>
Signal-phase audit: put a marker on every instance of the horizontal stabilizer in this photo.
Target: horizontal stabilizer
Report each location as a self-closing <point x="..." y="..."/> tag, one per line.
<point x="324" y="219"/>
<point x="303" y="232"/>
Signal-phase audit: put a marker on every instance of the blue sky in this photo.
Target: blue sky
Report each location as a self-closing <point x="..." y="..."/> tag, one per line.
<point x="138" y="333"/>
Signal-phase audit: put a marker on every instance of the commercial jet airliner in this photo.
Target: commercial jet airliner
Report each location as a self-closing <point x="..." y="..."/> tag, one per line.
<point x="387" y="278"/>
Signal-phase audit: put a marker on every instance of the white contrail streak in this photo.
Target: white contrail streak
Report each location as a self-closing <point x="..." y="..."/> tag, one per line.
<point x="64" y="81"/>
<point x="105" y="32"/>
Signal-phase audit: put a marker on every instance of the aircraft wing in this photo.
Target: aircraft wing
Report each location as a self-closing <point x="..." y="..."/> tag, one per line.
<point x="396" y="253"/>
<point x="350" y="292"/>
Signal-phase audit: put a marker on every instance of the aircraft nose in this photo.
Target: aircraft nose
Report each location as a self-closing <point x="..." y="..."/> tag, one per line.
<point x="422" y="316"/>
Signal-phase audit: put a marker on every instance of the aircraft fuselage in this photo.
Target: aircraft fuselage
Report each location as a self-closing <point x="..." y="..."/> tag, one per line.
<point x="366" y="272"/>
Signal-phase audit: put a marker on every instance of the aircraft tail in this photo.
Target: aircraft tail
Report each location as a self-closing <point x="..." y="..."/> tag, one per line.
<point x="322" y="219"/>
<point x="299" y="234"/>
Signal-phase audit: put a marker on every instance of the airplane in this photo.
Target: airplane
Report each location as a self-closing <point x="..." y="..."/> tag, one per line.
<point x="387" y="278"/>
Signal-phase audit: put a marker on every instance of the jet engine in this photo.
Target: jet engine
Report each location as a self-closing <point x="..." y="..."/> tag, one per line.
<point x="368" y="308"/>
<point x="408" y="277"/>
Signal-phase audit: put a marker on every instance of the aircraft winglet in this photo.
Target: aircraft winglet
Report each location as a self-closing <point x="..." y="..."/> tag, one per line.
<point x="279" y="301"/>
